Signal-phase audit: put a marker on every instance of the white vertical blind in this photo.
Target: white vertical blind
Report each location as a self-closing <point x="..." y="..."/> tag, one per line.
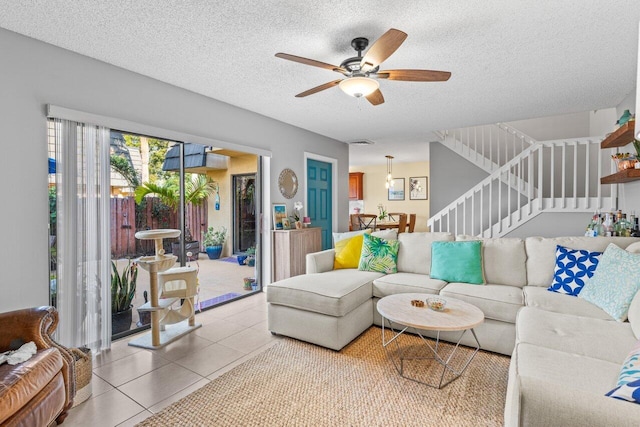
<point x="83" y="238"/>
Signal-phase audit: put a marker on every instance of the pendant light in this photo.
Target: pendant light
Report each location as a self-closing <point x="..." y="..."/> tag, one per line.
<point x="389" y="182"/>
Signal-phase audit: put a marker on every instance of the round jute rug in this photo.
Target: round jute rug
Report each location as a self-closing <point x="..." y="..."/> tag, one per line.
<point x="299" y="384"/>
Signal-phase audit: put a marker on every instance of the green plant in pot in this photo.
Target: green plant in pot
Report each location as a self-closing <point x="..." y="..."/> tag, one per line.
<point x="213" y="239"/>
<point x="123" y="289"/>
<point x="249" y="283"/>
<point x="251" y="256"/>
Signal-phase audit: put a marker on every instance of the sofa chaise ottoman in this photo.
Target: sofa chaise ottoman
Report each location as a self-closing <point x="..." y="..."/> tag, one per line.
<point x="566" y="352"/>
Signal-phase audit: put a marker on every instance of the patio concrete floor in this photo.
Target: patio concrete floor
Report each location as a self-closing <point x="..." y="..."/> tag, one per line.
<point x="218" y="280"/>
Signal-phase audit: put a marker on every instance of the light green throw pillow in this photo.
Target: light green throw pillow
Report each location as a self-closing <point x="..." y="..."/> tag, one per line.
<point x="379" y="255"/>
<point x="459" y="262"/>
<point x="614" y="283"/>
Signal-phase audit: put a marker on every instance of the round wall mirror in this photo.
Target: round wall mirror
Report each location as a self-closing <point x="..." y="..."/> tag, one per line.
<point x="288" y="183"/>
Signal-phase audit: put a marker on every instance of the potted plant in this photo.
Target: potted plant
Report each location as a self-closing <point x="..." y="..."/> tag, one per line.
<point x="123" y="289"/>
<point x="297" y="214"/>
<point x="213" y="239"/>
<point x="251" y="256"/>
<point x="249" y="282"/>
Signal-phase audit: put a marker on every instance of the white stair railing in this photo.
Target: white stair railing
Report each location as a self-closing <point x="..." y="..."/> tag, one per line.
<point x="552" y="176"/>
<point x="489" y="146"/>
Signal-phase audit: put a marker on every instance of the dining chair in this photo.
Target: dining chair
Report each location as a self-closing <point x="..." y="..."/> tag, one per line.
<point x="367" y="221"/>
<point x="394" y="216"/>
<point x="402" y="223"/>
<point x="412" y="222"/>
<point x="354" y="223"/>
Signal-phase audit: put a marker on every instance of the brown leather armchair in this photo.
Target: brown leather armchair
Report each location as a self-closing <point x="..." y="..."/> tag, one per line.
<point x="41" y="389"/>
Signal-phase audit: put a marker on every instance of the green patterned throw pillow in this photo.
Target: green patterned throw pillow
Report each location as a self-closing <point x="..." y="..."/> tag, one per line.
<point x="379" y="255"/>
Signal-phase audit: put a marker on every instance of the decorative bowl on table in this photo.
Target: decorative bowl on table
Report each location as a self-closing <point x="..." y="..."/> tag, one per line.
<point x="436" y="304"/>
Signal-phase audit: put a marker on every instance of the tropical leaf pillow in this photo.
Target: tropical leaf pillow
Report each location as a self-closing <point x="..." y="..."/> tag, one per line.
<point x="379" y="255"/>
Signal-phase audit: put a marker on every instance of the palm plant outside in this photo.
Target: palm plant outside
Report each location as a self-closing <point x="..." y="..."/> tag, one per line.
<point x="197" y="189"/>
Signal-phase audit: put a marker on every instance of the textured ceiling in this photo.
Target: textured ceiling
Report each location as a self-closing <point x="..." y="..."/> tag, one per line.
<point x="509" y="59"/>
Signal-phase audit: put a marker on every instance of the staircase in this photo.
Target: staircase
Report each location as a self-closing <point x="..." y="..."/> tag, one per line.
<point x="488" y="146"/>
<point x="526" y="177"/>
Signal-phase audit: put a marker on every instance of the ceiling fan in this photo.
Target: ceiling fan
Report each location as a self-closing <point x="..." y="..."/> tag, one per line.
<point x="362" y="72"/>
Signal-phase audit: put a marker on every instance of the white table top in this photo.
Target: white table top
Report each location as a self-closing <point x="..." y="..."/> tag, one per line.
<point x="457" y="316"/>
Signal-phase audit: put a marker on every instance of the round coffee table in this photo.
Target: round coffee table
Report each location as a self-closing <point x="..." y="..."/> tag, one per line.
<point x="457" y="316"/>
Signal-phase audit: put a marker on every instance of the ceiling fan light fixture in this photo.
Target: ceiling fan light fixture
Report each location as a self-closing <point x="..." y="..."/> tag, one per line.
<point x="359" y="86"/>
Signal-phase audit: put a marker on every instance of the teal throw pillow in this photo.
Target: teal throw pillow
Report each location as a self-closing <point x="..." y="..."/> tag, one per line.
<point x="379" y="255"/>
<point x="614" y="283"/>
<point x="459" y="262"/>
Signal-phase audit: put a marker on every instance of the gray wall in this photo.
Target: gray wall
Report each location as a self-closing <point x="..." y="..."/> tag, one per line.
<point x="565" y="126"/>
<point x="554" y="224"/>
<point x="34" y="74"/>
<point x="627" y="103"/>
<point x="450" y="176"/>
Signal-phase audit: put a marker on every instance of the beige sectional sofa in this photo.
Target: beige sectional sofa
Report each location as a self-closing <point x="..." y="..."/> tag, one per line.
<point x="566" y="352"/>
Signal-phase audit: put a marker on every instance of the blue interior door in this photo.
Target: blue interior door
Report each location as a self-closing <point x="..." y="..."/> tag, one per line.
<point x="319" y="198"/>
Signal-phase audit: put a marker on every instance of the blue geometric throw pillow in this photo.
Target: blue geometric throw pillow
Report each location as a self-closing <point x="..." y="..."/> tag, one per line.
<point x="573" y="267"/>
<point x="629" y="391"/>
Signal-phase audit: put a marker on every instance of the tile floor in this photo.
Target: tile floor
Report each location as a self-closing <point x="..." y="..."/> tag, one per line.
<point x="130" y="384"/>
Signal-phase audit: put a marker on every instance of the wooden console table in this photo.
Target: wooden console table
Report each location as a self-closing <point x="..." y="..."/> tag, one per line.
<point x="290" y="249"/>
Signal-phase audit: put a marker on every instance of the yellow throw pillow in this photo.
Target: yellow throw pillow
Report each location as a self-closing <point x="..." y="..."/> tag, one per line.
<point x="348" y="252"/>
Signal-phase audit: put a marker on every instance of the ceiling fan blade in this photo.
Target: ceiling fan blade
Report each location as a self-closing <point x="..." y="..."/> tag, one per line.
<point x="375" y="98"/>
<point x="415" y="75"/>
<point x="311" y="62"/>
<point x="382" y="49"/>
<point x="318" y="88"/>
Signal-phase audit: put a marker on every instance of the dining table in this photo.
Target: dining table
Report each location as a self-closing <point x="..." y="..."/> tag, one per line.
<point x="386" y="225"/>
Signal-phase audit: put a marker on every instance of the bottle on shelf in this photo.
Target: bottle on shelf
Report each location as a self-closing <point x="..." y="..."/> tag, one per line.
<point x="617" y="224"/>
<point x="624" y="227"/>
<point x="600" y="231"/>
<point x="590" y="228"/>
<point x="608" y="225"/>
<point x="595" y="226"/>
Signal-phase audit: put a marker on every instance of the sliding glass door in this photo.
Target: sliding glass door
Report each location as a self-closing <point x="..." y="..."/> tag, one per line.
<point x="244" y="212"/>
<point x="144" y="191"/>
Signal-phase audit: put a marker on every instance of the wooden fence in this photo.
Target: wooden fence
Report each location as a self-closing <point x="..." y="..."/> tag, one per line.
<point x="127" y="219"/>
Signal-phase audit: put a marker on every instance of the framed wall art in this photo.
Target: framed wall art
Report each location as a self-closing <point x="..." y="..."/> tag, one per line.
<point x="396" y="191"/>
<point x="286" y="224"/>
<point x="279" y="213"/>
<point x="418" y="188"/>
